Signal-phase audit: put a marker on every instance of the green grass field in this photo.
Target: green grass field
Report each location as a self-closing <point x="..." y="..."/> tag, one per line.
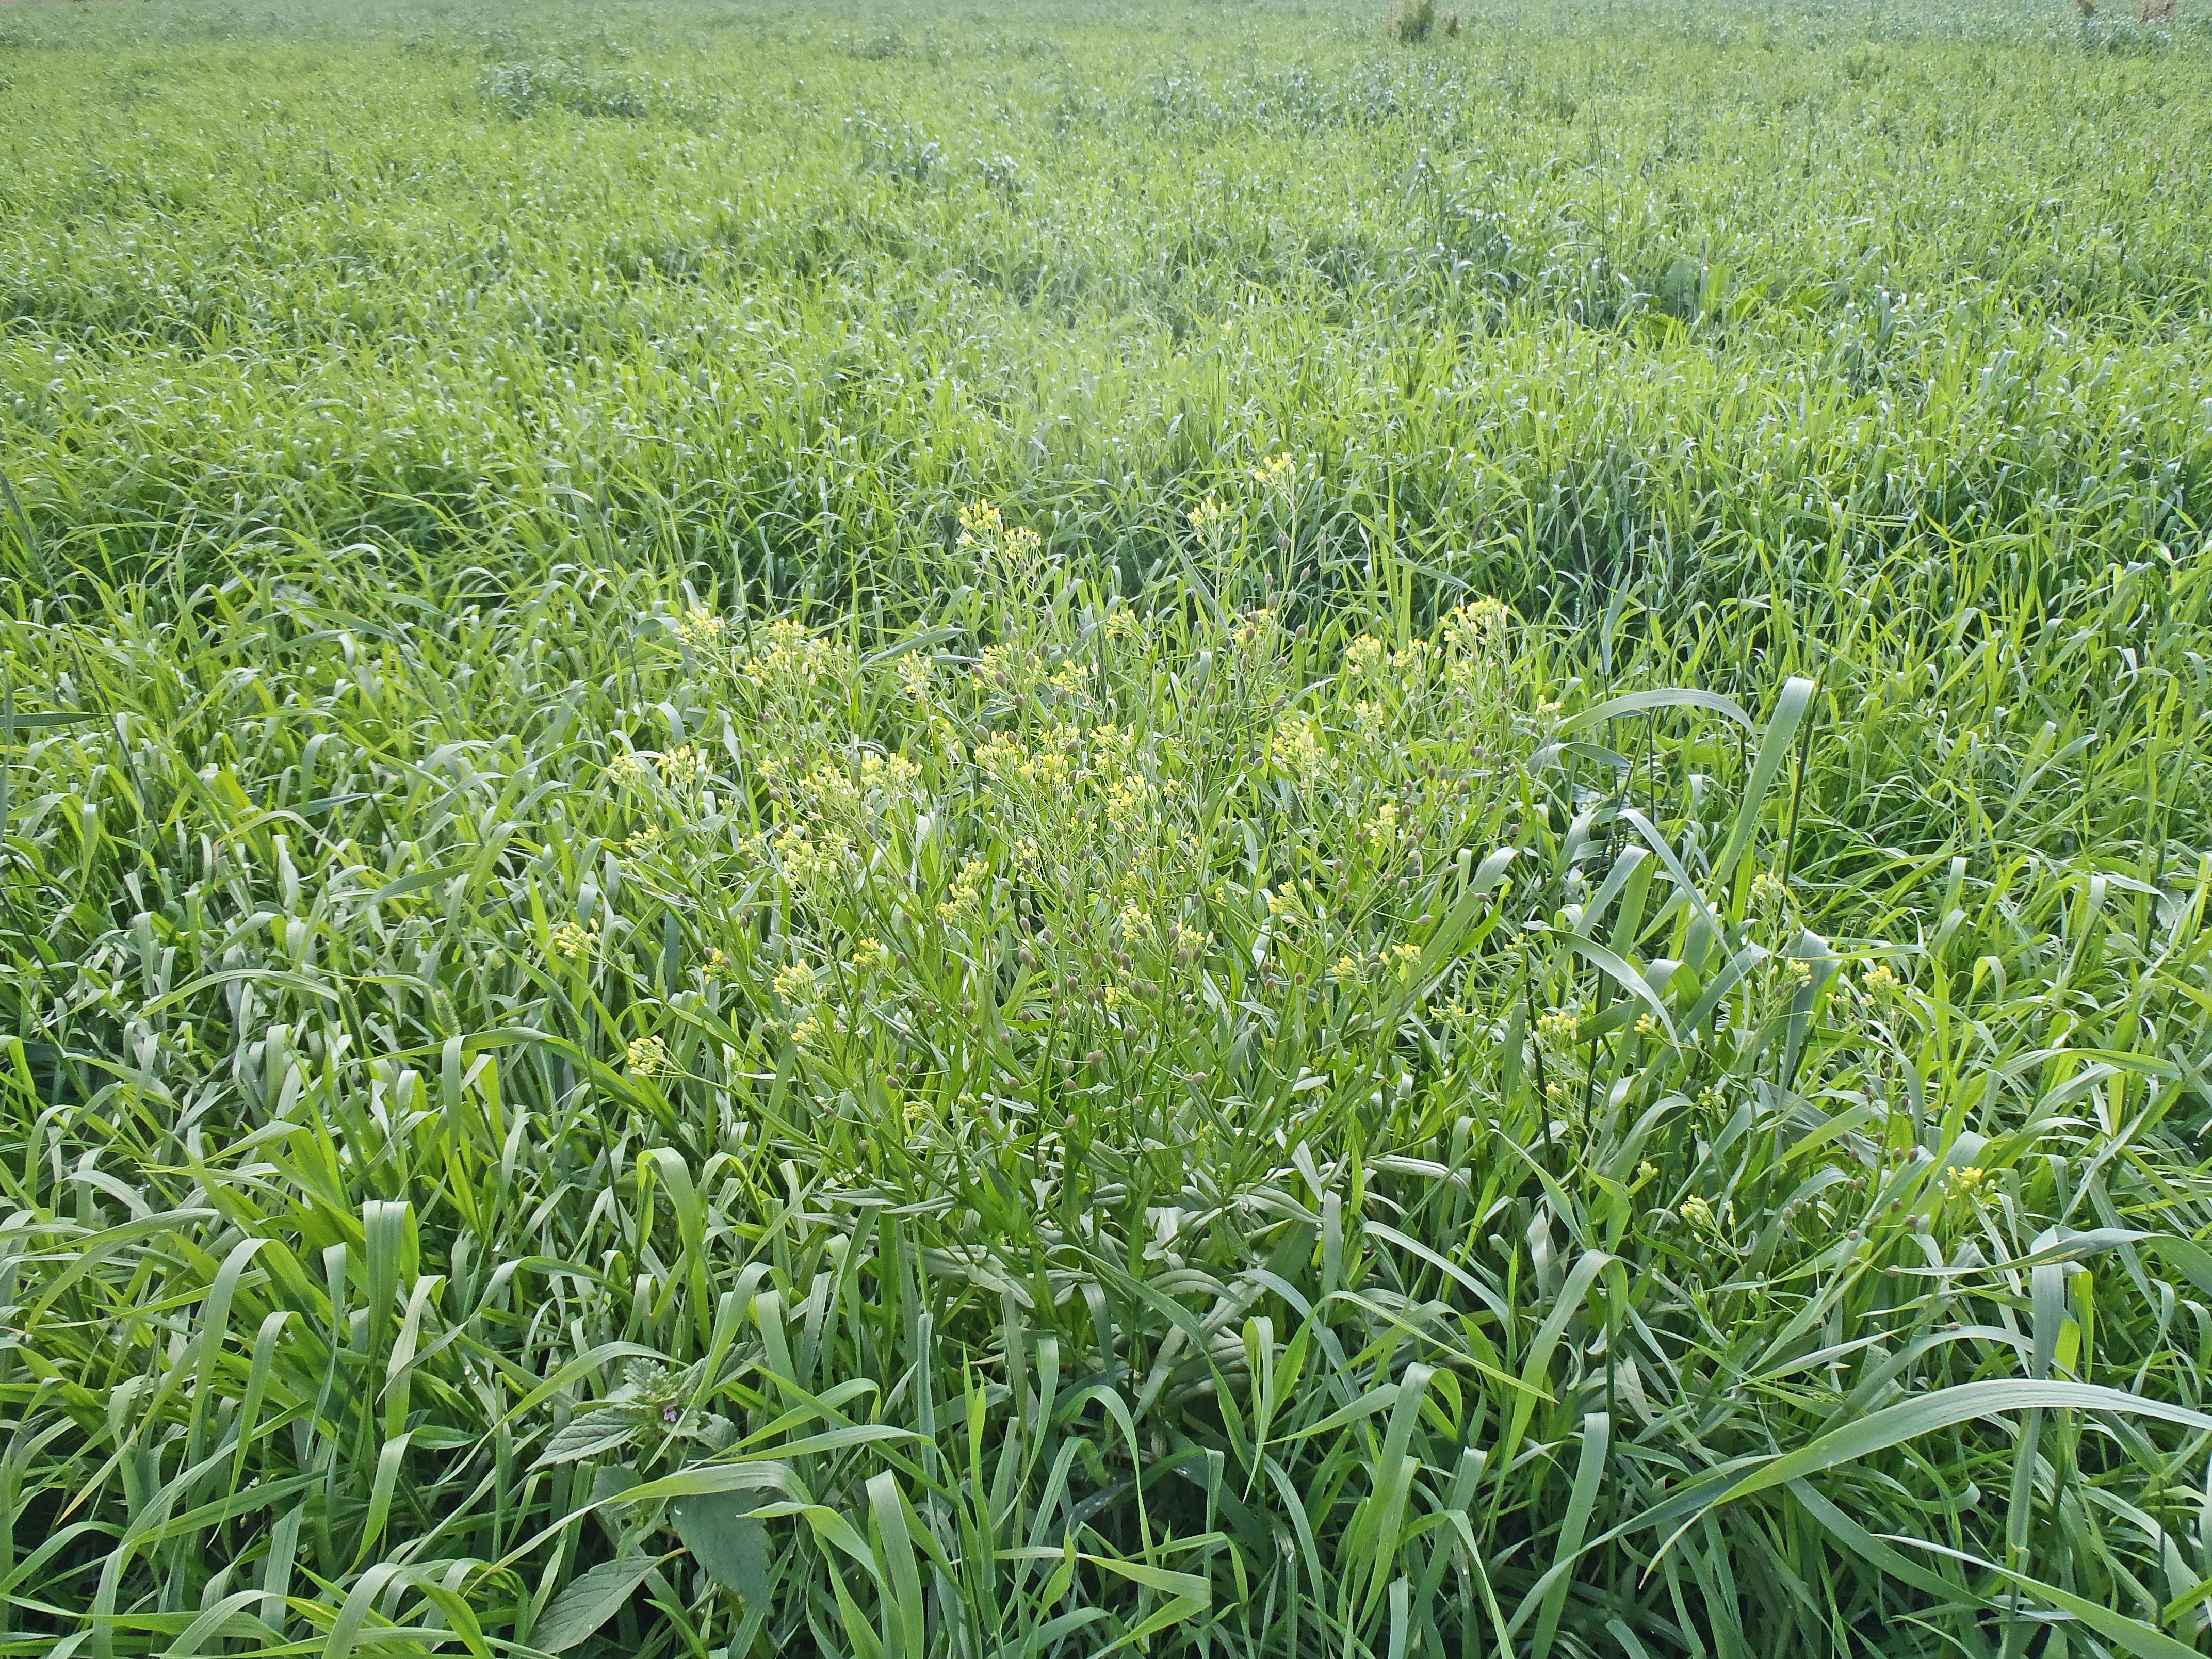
<point x="1016" y="833"/>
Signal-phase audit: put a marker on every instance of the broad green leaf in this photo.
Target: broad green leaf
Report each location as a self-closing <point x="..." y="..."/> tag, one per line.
<point x="589" y="1600"/>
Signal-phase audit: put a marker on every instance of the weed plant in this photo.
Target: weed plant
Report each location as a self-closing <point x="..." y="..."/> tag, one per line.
<point x="1412" y="22"/>
<point x="909" y="833"/>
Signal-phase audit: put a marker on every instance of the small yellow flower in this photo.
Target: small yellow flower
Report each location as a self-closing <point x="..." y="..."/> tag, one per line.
<point x="794" y="982"/>
<point x="1474" y="628"/>
<point x="1208" y="515"/>
<point x="1880" y="981"/>
<point x="981" y="525"/>
<point x="642" y="842"/>
<point x="1646" y="1170"/>
<point x="572" y="941"/>
<point x="1966" y="1182"/>
<point x="964" y="901"/>
<point x="684" y="767"/>
<point x="1279" y="472"/>
<point x="1769" y="892"/>
<point x="1299" y="748"/>
<point x="1698" y="1212"/>
<point x="1559" y="1027"/>
<point x="1346" y="970"/>
<point x="716" y="966"/>
<point x="699" y="627"/>
<point x="1383" y="830"/>
<point x="1646" y="1026"/>
<point x="913" y="670"/>
<point x="648" y="1056"/>
<point x="629" y="771"/>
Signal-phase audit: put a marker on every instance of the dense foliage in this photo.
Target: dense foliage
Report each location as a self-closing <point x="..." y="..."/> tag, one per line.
<point x="910" y="833"/>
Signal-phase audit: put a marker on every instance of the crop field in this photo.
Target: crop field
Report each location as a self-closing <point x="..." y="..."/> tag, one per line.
<point x="1019" y="831"/>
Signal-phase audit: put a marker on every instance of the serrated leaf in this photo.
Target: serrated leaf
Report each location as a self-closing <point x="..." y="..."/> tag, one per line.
<point x="588" y="1436"/>
<point x="589" y="1602"/>
<point x="730" y="1547"/>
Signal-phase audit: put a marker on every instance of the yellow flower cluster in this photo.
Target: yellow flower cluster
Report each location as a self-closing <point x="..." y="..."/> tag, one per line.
<point x="1277" y="472"/>
<point x="648" y="1056"/>
<point x="1258" y="633"/>
<point x="572" y="941"/>
<point x="1382" y="830"/>
<point x="1048" y="775"/>
<point x="805" y="860"/>
<point x="1558" y="1028"/>
<point x="1071" y="679"/>
<point x="1051" y="772"/>
<point x="848" y="791"/>
<point x="786" y="657"/>
<point x="983" y="528"/>
<point x="980" y="524"/>
<point x="1966" y="1182"/>
<point x="1475" y="628"/>
<point x="1208" y="516"/>
<point x="914" y="675"/>
<point x="629" y="771"/>
<point x="684" y="767"/>
<point x="1130" y="799"/>
<point x="963" y="903"/>
<point x="699" y="627"/>
<point x="1298" y="749"/>
<point x="1000" y="665"/>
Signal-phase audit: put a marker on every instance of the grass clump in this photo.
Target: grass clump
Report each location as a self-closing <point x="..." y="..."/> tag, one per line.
<point x="1413" y="22"/>
<point x="523" y="88"/>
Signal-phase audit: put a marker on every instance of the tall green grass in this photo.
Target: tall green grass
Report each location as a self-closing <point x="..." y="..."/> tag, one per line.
<point x="1508" y="959"/>
<point x="1578" y="291"/>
